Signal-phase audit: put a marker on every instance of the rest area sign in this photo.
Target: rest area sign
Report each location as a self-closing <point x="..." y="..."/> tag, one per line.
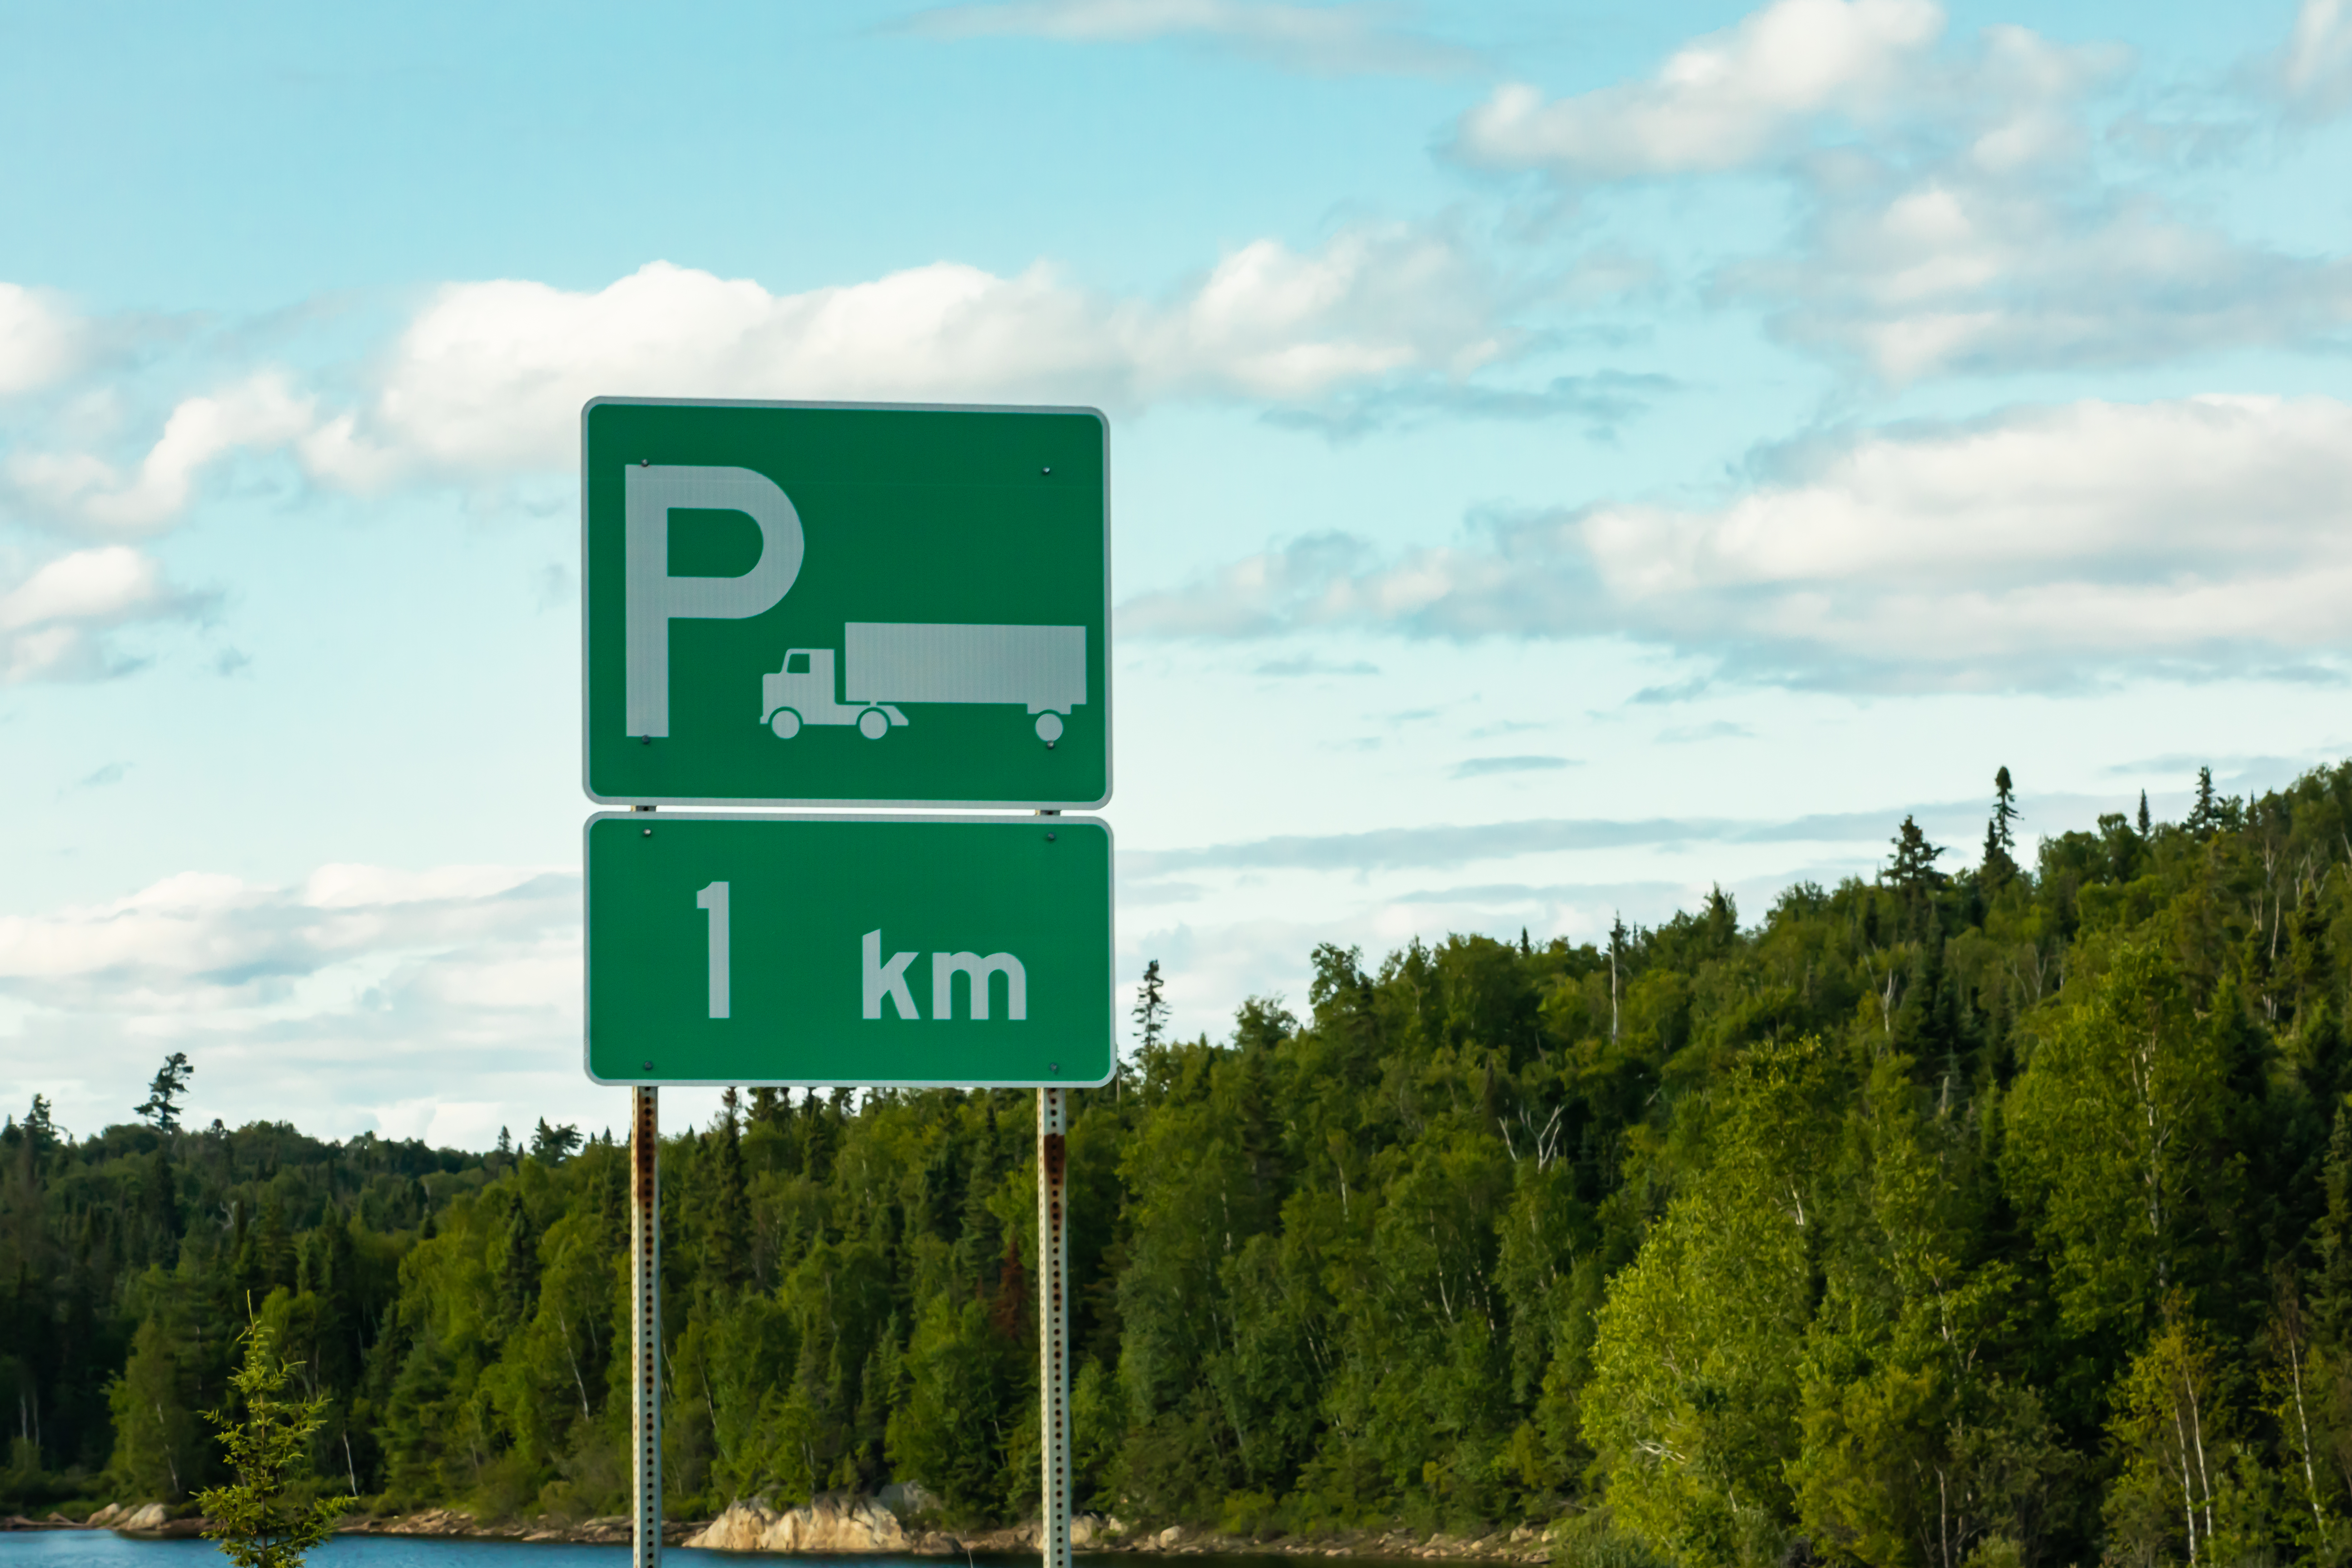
<point x="835" y="949"/>
<point x="843" y="604"/>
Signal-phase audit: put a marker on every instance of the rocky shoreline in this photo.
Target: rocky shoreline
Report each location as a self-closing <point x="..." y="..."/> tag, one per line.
<point x="838" y="1524"/>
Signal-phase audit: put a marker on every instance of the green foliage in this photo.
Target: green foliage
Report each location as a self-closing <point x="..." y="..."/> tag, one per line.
<point x="161" y="1109"/>
<point x="260" y="1518"/>
<point x="2114" y="1139"/>
<point x="1886" y="1229"/>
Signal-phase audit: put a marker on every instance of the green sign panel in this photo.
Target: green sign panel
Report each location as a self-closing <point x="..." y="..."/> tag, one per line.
<point x="798" y="950"/>
<point x="803" y="604"/>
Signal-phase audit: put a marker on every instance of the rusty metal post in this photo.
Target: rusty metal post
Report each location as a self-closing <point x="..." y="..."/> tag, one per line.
<point x="645" y="1338"/>
<point x="1053" y="1326"/>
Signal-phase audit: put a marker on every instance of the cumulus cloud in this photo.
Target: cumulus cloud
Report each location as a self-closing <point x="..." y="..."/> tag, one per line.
<point x="487" y="378"/>
<point x="2039" y="547"/>
<point x="428" y="1003"/>
<point x="1317" y="40"/>
<point x="492" y="374"/>
<point x="1957" y="215"/>
<point x="39" y="342"/>
<point x="1957" y="270"/>
<point x="1726" y="100"/>
<point x="204" y="942"/>
<point x="52" y="623"/>
<point x="260" y="412"/>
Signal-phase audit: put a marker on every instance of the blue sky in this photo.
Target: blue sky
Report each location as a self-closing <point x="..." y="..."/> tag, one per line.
<point x="1564" y="456"/>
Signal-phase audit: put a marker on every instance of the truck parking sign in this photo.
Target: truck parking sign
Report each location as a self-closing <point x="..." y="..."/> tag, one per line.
<point x="806" y="603"/>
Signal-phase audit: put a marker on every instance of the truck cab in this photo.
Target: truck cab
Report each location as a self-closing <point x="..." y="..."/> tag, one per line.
<point x="805" y="692"/>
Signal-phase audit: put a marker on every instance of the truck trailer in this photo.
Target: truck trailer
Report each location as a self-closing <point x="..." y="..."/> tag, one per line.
<point x="885" y="664"/>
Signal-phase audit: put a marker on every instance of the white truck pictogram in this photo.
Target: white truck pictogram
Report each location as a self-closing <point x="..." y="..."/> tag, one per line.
<point x="1043" y="669"/>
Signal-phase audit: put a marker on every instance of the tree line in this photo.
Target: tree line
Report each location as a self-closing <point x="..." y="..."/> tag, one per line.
<point x="1992" y="1215"/>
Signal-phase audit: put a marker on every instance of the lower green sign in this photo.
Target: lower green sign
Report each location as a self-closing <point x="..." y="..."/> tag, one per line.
<point x="843" y="951"/>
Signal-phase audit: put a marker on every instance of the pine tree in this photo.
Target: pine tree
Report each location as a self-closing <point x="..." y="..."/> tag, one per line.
<point x="161" y="1109"/>
<point x="1913" y="868"/>
<point x="1995" y="865"/>
<point x="729" y="1260"/>
<point x="2205" y="816"/>
<point x="267" y="1438"/>
<point x="1150" y="1013"/>
<point x="515" y="1265"/>
<point x="2147" y="825"/>
<point x="552" y="1145"/>
<point x="2004" y="810"/>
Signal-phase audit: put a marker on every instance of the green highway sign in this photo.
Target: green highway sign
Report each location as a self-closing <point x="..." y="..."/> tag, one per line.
<point x="842" y="951"/>
<point x="840" y="604"/>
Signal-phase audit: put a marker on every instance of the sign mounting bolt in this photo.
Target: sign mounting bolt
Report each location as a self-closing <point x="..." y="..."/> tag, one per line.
<point x="1047" y="469"/>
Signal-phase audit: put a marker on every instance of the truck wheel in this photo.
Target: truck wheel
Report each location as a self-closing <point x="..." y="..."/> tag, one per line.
<point x="786" y="723"/>
<point x="874" y="723"/>
<point x="1049" y="727"/>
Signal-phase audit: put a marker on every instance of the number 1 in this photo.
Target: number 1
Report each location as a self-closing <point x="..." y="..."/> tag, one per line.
<point x="714" y="898"/>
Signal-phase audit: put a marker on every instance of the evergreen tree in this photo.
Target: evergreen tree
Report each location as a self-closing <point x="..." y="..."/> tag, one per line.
<point x="1150" y="1013"/>
<point x="161" y="1109"/>
<point x="552" y="1145"/>
<point x="1914" y="1223"/>
<point x="729" y="1262"/>
<point x="2206" y="814"/>
<point x="2146" y="826"/>
<point x="1913" y="866"/>
<point x="257" y="1518"/>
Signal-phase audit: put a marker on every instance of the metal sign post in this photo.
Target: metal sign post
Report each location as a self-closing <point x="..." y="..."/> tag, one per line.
<point x="1053" y="1326"/>
<point x="645" y="1337"/>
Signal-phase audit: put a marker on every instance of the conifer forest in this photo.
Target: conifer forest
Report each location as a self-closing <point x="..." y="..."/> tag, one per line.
<point x="1993" y="1216"/>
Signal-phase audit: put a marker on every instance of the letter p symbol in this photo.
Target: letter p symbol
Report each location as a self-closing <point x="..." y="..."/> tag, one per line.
<point x="655" y="598"/>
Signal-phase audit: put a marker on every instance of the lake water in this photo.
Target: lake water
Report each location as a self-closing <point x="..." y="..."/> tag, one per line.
<point x="104" y="1549"/>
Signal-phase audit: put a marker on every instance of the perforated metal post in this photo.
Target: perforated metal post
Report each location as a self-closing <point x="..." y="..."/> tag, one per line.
<point x="1054" y="1326"/>
<point x="645" y="1337"/>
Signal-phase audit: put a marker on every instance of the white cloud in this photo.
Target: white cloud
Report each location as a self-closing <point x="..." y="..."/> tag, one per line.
<point x="1320" y="40"/>
<point x="260" y="412"/>
<point x="49" y="623"/>
<point x="1977" y="227"/>
<point x="491" y="375"/>
<point x="487" y="378"/>
<point x="432" y="1003"/>
<point x="1726" y="100"/>
<point x="2318" y="66"/>
<point x="38" y="341"/>
<point x="1954" y="271"/>
<point x="2036" y="548"/>
<point x="201" y="942"/>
